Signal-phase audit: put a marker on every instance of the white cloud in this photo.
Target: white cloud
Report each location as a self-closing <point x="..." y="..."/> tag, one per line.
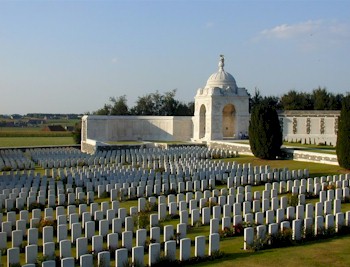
<point x="310" y="34"/>
<point x="114" y="60"/>
<point x="285" y="31"/>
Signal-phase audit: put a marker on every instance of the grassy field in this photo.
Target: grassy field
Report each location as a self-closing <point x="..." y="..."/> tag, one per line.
<point x="35" y="141"/>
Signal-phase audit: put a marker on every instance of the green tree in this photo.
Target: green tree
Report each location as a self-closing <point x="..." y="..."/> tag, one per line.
<point x="320" y="98"/>
<point x="103" y="111"/>
<point x="77" y="133"/>
<point x="343" y="136"/>
<point x="294" y="100"/>
<point x="159" y="105"/>
<point x="255" y="99"/>
<point x="184" y="109"/>
<point x="335" y="101"/>
<point x="169" y="104"/>
<point x="120" y="106"/>
<point x="265" y="135"/>
<point x="144" y="106"/>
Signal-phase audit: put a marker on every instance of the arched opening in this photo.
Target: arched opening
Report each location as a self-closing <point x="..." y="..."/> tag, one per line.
<point x="228" y="121"/>
<point x="202" y="119"/>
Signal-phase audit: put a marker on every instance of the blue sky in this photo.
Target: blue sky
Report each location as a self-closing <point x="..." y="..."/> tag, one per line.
<point x="71" y="56"/>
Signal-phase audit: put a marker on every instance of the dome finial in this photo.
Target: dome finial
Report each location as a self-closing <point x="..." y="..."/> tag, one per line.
<point x="221" y="62"/>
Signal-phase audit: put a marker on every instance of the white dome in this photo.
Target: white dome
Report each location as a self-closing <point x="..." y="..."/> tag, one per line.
<point x="221" y="78"/>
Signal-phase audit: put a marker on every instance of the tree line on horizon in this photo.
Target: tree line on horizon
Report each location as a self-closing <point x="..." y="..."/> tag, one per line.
<point x="318" y="99"/>
<point x="155" y="104"/>
<point x="166" y="104"/>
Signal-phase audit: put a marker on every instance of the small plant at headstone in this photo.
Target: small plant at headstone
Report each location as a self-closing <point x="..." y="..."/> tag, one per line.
<point x="329" y="232"/>
<point x="15" y="210"/>
<point x="171" y="192"/>
<point x="320" y="232"/>
<point x="174" y="216"/>
<point x="344" y="230"/>
<point x="249" y="224"/>
<point x="143" y="220"/>
<point x="210" y="204"/>
<point x="105" y="194"/>
<point x="346" y="199"/>
<point x="6" y="168"/>
<point x="40" y="259"/>
<point x="331" y="186"/>
<point x="46" y="222"/>
<point x="258" y="244"/>
<point x="226" y="232"/>
<point x="309" y="233"/>
<point x="22" y="246"/>
<point x="137" y="264"/>
<point x="197" y="223"/>
<point x="293" y="200"/>
<point x="151" y="207"/>
<point x="127" y="263"/>
<point x="81" y="163"/>
<point x="220" y="182"/>
<point x="238" y="229"/>
<point x="217" y="254"/>
<point x="177" y="238"/>
<point x="216" y="156"/>
<point x="36" y="205"/>
<point x="165" y="261"/>
<point x="282" y="238"/>
<point x="160" y="169"/>
<point x="310" y="195"/>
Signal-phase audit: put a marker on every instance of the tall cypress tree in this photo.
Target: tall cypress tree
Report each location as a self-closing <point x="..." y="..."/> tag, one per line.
<point x="343" y="136"/>
<point x="265" y="135"/>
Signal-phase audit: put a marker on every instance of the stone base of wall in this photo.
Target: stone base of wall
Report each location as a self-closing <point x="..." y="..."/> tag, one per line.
<point x="313" y="157"/>
<point x="298" y="155"/>
<point x="88" y="147"/>
<point x="243" y="149"/>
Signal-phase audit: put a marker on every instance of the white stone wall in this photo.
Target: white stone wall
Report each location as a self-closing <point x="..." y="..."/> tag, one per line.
<point x="119" y="128"/>
<point x="310" y="127"/>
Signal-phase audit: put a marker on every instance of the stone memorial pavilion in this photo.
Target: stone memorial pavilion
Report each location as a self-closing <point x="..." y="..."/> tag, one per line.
<point x="221" y="113"/>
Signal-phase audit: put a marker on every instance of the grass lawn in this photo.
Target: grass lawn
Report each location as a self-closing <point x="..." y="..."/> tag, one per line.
<point x="124" y="142"/>
<point x="328" y="252"/>
<point x="315" y="169"/>
<point x="308" y="146"/>
<point x="35" y="141"/>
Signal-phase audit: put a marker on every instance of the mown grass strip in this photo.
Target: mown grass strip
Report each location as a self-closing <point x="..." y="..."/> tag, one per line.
<point x="35" y="141"/>
<point x="34" y="134"/>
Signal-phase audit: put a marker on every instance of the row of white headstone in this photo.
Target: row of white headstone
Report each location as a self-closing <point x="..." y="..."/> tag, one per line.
<point x="51" y="158"/>
<point x="236" y="204"/>
<point x="121" y="254"/>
